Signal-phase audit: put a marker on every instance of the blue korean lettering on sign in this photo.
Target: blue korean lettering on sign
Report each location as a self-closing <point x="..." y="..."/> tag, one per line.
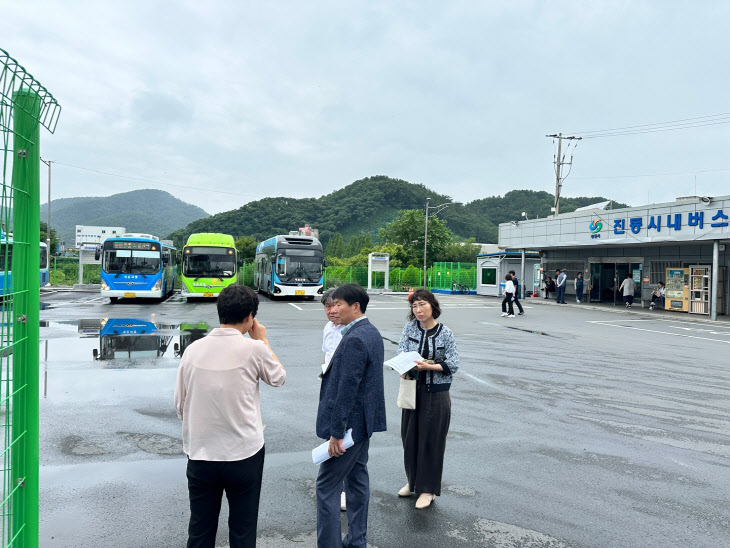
<point x="619" y="225"/>
<point x="677" y="224"/>
<point x="636" y="223"/>
<point x="655" y="223"/>
<point x="721" y="218"/>
<point x="696" y="219"/>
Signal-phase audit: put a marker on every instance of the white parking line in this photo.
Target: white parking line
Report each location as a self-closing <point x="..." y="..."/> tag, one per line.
<point x="295" y="306"/>
<point x="660" y="332"/>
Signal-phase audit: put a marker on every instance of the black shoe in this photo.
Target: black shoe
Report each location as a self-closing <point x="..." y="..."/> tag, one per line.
<point x="520" y="314"/>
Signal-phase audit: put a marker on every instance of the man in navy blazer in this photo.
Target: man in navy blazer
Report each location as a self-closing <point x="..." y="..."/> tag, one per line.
<point x="351" y="396"/>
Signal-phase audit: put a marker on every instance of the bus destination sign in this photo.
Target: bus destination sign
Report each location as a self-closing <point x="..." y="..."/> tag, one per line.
<point x="137" y="246"/>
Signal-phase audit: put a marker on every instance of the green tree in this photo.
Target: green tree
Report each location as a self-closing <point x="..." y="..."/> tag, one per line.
<point x="358" y="243"/>
<point x="246" y="246"/>
<point x="54" y="238"/>
<point x="408" y="230"/>
<point x="335" y="247"/>
<point x="461" y="252"/>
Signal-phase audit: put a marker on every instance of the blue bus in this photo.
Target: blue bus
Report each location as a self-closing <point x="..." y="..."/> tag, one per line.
<point x="6" y="264"/>
<point x="131" y="338"/>
<point x="137" y="265"/>
<point x="289" y="266"/>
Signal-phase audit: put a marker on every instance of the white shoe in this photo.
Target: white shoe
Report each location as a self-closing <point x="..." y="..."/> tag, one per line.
<point x="405" y="491"/>
<point x="343" y="505"/>
<point x="424" y="501"/>
<point x="510" y="315"/>
<point x="504" y="314"/>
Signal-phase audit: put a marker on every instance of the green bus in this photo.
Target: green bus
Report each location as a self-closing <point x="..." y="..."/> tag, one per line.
<point x="209" y="263"/>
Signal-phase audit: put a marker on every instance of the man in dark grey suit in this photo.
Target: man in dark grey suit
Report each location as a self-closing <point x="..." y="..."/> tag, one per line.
<point x="351" y="396"/>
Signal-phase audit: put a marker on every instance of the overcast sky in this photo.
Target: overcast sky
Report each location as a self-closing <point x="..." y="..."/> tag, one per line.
<point x="301" y="98"/>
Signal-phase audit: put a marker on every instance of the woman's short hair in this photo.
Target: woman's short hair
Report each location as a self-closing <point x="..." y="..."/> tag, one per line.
<point x="507" y="276"/>
<point x="424" y="295"/>
<point x="236" y="303"/>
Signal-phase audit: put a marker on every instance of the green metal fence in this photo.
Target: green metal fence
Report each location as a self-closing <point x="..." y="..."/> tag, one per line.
<point x="453" y="276"/>
<point x="25" y="105"/>
<point x="440" y="276"/>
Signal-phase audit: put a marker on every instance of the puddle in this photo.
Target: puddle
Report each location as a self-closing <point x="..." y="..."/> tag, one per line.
<point x="47" y="306"/>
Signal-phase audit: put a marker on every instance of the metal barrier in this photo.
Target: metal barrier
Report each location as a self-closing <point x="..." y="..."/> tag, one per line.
<point x="25" y="105"/>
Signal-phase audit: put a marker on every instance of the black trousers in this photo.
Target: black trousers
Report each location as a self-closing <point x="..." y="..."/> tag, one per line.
<point x="241" y="481"/>
<point x="517" y="302"/>
<point x="423" y="432"/>
<point x="507" y="301"/>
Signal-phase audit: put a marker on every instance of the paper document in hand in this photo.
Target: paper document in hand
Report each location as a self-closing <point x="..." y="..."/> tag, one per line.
<point x="320" y="453"/>
<point x="404" y="362"/>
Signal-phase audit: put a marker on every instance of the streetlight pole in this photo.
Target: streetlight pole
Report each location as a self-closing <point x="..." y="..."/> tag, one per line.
<point x="425" y="242"/>
<point x="438" y="209"/>
<point x="48" y="217"/>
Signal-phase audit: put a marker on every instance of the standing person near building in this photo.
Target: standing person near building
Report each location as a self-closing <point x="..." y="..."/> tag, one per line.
<point x="628" y="286"/>
<point x="509" y="297"/>
<point x="424" y="429"/>
<point x="217" y="398"/>
<point x="579" y="287"/>
<point x="560" y="280"/>
<point x="517" y="295"/>
<point x="351" y="397"/>
<point x="331" y="338"/>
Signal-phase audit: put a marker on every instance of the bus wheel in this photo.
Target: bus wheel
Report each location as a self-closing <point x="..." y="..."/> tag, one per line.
<point x="113" y="300"/>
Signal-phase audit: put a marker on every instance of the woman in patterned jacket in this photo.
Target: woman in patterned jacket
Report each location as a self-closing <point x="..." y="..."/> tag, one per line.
<point x="424" y="429"/>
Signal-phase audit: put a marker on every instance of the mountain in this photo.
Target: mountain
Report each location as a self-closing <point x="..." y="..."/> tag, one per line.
<point x="151" y="211"/>
<point x="368" y="204"/>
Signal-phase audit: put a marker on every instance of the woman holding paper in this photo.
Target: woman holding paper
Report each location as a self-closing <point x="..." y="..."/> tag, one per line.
<point x="424" y="429"/>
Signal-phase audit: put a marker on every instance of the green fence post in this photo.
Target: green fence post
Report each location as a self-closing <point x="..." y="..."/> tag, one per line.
<point x="26" y="321"/>
<point x="350" y="274"/>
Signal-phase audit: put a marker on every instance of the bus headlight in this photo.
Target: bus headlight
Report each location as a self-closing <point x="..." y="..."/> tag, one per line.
<point x="104" y="287"/>
<point x="158" y="285"/>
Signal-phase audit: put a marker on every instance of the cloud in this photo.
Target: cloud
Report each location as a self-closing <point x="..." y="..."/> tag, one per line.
<point x="298" y="99"/>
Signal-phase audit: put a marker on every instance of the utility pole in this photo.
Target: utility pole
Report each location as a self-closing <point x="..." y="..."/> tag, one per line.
<point x="559" y="162"/>
<point x="48" y="218"/>
<point x="425" y="242"/>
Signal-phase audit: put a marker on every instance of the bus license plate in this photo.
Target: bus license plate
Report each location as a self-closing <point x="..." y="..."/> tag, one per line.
<point x="130" y="295"/>
<point x="208" y="294"/>
<point x="299" y="292"/>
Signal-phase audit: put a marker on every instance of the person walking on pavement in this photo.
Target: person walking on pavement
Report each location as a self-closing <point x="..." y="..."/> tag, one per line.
<point x="560" y="278"/>
<point x="351" y="397"/>
<point x="579" y="287"/>
<point x="628" y="286"/>
<point x="517" y="295"/>
<point x="508" y="293"/>
<point x="217" y="398"/>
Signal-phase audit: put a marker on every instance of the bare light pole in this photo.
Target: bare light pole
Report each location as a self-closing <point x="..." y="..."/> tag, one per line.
<point x="438" y="209"/>
<point x="48" y="217"/>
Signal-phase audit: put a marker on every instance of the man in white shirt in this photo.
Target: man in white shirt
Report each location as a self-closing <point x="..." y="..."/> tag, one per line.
<point x="331" y="338"/>
<point x="560" y="281"/>
<point x="332" y="334"/>
<point x="217" y="398"/>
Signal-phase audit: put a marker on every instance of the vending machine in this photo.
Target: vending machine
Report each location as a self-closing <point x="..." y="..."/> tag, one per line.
<point x="677" y="289"/>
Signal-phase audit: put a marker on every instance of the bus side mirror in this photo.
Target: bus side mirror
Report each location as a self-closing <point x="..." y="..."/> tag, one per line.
<point x="240" y="262"/>
<point x="325" y="263"/>
<point x="97" y="254"/>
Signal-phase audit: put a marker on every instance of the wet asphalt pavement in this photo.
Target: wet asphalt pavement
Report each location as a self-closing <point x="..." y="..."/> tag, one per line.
<point x="570" y="428"/>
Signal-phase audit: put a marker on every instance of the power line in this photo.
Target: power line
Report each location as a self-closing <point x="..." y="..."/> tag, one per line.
<point x="655" y="174"/>
<point x="154" y="182"/>
<point x="669" y="128"/>
<point x="722" y="114"/>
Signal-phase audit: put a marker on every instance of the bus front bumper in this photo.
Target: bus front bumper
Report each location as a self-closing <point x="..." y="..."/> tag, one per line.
<point x="131" y="294"/>
<point x="296" y="291"/>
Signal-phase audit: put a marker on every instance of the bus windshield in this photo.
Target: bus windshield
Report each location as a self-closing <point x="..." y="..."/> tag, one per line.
<point x="299" y="265"/>
<point x="209" y="262"/>
<point x="131" y="261"/>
